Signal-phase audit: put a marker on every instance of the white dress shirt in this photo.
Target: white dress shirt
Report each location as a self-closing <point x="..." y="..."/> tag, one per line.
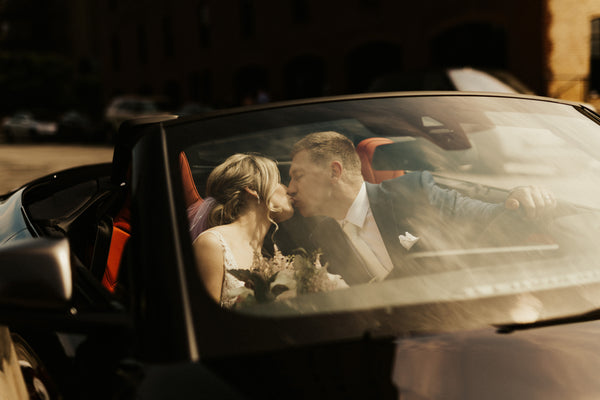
<point x="360" y="214"/>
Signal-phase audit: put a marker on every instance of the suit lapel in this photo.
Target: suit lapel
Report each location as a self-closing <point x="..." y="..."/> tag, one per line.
<point x="329" y="236"/>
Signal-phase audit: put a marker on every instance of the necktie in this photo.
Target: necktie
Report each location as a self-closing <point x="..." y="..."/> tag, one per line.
<point x="376" y="269"/>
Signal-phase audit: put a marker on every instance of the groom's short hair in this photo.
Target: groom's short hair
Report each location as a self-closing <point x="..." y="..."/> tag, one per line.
<point x="328" y="146"/>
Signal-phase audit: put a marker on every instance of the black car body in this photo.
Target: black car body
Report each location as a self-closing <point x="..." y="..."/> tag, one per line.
<point x="509" y="315"/>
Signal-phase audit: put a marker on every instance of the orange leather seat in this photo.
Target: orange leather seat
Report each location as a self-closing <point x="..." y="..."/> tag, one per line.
<point x="366" y="149"/>
<point x="122" y="225"/>
<point x="189" y="186"/>
<point x="120" y="235"/>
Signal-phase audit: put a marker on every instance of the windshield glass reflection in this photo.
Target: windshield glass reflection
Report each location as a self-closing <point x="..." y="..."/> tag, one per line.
<point x="442" y="199"/>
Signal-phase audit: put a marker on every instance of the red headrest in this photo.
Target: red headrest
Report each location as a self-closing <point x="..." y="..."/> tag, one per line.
<point x="365" y="150"/>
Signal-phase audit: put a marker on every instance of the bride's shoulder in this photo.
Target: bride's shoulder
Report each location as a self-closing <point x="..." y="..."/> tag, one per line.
<point x="211" y="236"/>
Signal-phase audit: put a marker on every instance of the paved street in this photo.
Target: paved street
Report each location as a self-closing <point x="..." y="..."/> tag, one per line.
<point x="20" y="163"/>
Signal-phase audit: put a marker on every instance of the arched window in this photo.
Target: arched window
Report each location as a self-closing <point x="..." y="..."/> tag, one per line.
<point x="247" y="18"/>
<point x="594" y="82"/>
<point x="142" y="42"/>
<point x="203" y="23"/>
<point x="168" y="38"/>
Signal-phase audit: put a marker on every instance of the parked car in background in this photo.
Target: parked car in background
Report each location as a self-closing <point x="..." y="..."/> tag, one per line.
<point x="463" y="79"/>
<point x="100" y="280"/>
<point x="122" y="108"/>
<point x="23" y="126"/>
<point x="75" y="126"/>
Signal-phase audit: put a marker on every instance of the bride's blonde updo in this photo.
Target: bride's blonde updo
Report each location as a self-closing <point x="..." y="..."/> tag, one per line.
<point x="227" y="183"/>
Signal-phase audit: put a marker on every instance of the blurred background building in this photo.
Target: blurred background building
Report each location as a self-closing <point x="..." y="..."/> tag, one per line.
<point x="71" y="54"/>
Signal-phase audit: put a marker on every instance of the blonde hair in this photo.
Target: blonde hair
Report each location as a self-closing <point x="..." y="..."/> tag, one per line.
<point x="228" y="181"/>
<point x="324" y="147"/>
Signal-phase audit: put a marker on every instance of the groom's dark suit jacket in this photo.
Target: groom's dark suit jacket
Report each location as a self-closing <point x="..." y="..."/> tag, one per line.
<point x="414" y="203"/>
<point x="411" y="203"/>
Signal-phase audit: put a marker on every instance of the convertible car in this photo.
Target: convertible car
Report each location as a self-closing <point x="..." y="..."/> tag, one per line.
<point x="102" y="294"/>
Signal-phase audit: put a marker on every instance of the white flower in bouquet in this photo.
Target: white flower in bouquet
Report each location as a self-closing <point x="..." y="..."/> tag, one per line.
<point x="283" y="277"/>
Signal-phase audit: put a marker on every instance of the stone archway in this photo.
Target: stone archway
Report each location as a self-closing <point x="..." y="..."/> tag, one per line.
<point x="475" y="44"/>
<point x="249" y="82"/>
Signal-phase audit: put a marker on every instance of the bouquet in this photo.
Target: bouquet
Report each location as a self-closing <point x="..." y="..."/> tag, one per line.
<point x="281" y="277"/>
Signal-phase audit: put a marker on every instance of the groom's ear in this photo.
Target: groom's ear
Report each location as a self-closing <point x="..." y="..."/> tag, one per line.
<point x="336" y="169"/>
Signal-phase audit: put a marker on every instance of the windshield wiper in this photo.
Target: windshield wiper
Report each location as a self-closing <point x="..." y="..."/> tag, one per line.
<point x="584" y="317"/>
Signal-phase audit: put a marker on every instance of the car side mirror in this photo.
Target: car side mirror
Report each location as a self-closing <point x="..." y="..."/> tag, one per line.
<point x="36" y="273"/>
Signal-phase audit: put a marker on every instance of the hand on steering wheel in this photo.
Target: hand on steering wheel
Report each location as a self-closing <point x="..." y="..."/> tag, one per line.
<point x="534" y="202"/>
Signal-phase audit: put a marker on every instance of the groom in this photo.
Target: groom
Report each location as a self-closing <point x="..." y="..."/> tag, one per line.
<point x="386" y="221"/>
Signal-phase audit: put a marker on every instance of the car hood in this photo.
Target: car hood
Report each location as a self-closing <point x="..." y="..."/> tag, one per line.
<point x="551" y="362"/>
<point x="556" y="362"/>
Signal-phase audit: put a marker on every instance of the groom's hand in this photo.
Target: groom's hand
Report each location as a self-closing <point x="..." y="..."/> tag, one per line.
<point x="534" y="201"/>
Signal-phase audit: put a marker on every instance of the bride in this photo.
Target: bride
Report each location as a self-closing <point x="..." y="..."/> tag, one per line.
<point x="245" y="196"/>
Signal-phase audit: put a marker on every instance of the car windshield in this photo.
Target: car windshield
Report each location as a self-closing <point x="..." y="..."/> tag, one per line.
<point x="454" y="244"/>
